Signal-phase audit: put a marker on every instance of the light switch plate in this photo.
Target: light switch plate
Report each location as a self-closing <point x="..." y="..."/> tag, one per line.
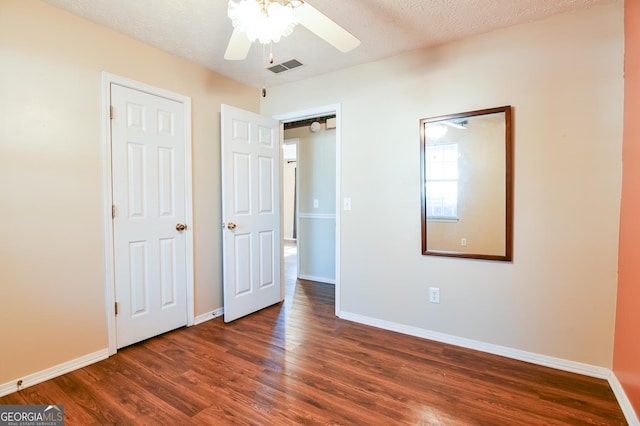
<point x="434" y="295"/>
<point x="347" y="203"/>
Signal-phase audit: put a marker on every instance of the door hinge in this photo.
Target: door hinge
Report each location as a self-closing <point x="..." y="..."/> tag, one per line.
<point x="116" y="304"/>
<point x="113" y="211"/>
<point x="112" y="111"/>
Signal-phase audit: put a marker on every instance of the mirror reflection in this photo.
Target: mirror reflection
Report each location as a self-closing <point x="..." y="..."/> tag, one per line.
<point x="466" y="184"/>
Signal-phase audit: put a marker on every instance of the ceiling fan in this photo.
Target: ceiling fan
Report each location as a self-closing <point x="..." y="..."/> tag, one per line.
<point x="269" y="20"/>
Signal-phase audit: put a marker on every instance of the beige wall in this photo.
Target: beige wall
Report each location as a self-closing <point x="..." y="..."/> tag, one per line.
<point x="52" y="306"/>
<point x="563" y="77"/>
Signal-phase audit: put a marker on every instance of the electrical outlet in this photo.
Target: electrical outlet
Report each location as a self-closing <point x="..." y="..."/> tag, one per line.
<point x="463" y="242"/>
<point x="434" y="295"/>
<point x="316" y="203"/>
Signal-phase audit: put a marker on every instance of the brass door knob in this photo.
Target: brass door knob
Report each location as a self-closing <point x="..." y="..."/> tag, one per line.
<point x="231" y="225"/>
<point x="181" y="227"/>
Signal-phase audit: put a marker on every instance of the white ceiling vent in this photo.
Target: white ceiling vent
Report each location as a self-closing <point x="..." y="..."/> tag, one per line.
<point x="285" y="66"/>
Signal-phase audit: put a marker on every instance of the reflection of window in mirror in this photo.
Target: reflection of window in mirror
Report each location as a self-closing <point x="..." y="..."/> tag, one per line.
<point x="442" y="181"/>
<point x="466" y="184"/>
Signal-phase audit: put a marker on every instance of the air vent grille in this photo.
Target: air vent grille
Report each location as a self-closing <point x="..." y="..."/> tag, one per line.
<point x="285" y="66"/>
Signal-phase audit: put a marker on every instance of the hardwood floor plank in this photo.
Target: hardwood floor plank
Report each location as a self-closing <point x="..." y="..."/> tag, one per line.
<point x="101" y="403"/>
<point x="296" y="363"/>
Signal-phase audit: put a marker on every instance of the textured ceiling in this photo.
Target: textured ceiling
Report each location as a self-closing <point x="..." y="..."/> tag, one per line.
<point x="199" y="30"/>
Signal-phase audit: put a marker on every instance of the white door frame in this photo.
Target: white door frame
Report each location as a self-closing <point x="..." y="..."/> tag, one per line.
<point x="309" y="113"/>
<point x="107" y="196"/>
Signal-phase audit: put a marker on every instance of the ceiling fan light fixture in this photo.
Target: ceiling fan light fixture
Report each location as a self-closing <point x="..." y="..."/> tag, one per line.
<point x="264" y="20"/>
<point x="270" y="20"/>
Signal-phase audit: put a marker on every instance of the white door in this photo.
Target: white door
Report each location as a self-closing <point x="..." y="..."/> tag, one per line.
<point x="250" y="211"/>
<point x="149" y="184"/>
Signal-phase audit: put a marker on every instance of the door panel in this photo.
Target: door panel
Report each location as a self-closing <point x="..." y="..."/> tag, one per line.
<point x="149" y="187"/>
<point x="137" y="271"/>
<point x="267" y="258"/>
<point x="251" y="203"/>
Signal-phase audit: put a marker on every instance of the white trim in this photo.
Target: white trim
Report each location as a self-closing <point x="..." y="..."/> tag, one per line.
<point x="314" y="112"/>
<point x="208" y="316"/>
<point x="308" y="113"/>
<point x="627" y="409"/>
<point x="55" y="371"/>
<point x="316" y="278"/>
<point x="338" y="207"/>
<point x="107" y="200"/>
<point x="316" y="216"/>
<point x="544" y="360"/>
<point x="107" y="203"/>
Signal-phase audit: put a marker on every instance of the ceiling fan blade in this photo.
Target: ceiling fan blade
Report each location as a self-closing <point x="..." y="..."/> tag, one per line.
<point x="238" y="47"/>
<point x="319" y="24"/>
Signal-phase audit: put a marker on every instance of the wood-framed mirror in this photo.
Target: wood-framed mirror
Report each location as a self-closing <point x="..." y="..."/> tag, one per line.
<point x="466" y="171"/>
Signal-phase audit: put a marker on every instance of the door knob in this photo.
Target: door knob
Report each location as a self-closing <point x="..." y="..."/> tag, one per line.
<point x="231" y="225"/>
<point x="181" y="227"/>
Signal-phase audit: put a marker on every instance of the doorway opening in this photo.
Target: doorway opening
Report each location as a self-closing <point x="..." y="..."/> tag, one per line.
<point x="311" y="194"/>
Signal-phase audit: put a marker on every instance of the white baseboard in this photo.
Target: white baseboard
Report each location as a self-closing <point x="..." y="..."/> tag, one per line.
<point x="623" y="400"/>
<point x="75" y="364"/>
<point x="316" y="278"/>
<point x="547" y="361"/>
<point x="208" y="316"/>
<point x="544" y="360"/>
<point x="55" y="371"/>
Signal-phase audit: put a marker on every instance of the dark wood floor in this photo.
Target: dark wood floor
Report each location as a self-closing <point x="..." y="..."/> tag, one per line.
<point x="296" y="363"/>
